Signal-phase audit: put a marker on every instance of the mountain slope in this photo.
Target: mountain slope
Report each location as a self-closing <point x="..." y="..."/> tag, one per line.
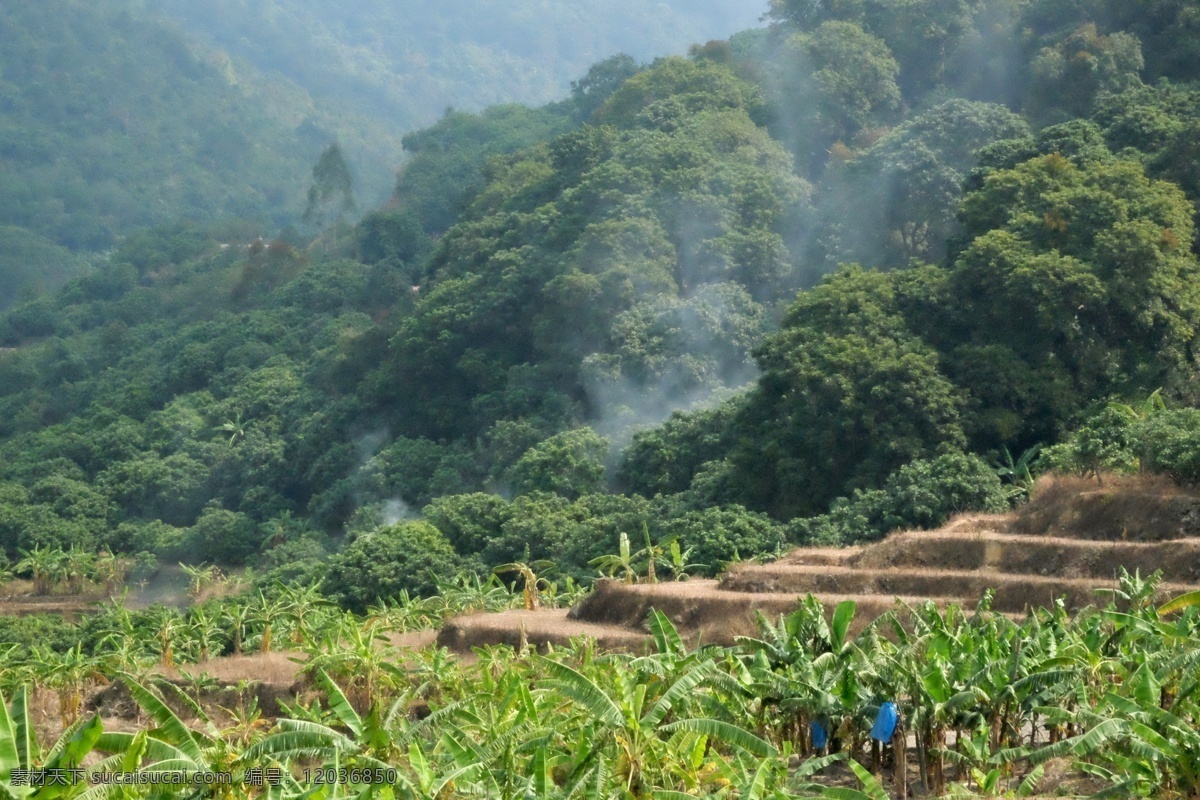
<point x="110" y="120"/>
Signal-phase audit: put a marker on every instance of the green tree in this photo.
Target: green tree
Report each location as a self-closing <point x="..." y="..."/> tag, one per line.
<point x="1068" y="77"/>
<point x="899" y="199"/>
<point x="569" y="464"/>
<point x="665" y="458"/>
<point x="1078" y="282"/>
<point x="853" y="78"/>
<point x="602" y="79"/>
<point x="848" y="394"/>
<point x="716" y="536"/>
<point x="331" y="195"/>
<point x="409" y="557"/>
<point x="226" y="537"/>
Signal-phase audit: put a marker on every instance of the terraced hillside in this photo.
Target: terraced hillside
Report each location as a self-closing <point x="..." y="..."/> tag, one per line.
<point x="1088" y="535"/>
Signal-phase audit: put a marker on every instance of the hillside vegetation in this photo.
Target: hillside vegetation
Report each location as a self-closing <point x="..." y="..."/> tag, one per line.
<point x="121" y="114"/>
<point x="861" y="270"/>
<point x="499" y="344"/>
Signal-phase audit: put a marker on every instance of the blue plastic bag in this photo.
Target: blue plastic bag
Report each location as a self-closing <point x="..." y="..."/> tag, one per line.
<point x="885" y="722"/>
<point x="820" y="736"/>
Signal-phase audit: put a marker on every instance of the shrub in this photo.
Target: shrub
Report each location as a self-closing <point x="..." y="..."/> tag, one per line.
<point x="921" y="494"/>
<point x="1169" y="443"/>
<point x="720" y="535"/>
<point x="409" y="556"/>
<point x="1104" y="443"/>
<point x="226" y="537"/>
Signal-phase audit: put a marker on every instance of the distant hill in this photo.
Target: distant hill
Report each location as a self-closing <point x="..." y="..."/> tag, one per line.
<point x="111" y="120"/>
<point x="410" y="59"/>
<point x="119" y="114"/>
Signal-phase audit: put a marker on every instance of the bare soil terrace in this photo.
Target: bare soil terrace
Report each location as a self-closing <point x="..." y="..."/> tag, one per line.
<point x="1068" y="544"/>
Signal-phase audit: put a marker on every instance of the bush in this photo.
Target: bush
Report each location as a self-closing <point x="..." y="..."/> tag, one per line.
<point x="570" y="463"/>
<point x="1104" y="443"/>
<point x="469" y="521"/>
<point x="1169" y="444"/>
<point x="721" y="535"/>
<point x="921" y="494"/>
<point x="300" y="561"/>
<point x="226" y="537"/>
<point x="409" y="556"/>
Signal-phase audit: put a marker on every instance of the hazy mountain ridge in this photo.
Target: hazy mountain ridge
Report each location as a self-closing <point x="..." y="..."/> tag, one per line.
<point x="119" y="114"/>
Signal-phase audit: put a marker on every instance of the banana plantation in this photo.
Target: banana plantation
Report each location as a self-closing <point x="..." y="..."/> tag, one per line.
<point x="985" y="703"/>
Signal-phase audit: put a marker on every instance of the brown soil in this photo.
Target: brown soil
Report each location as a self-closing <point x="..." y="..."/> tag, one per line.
<point x="1013" y="593"/>
<point x="1133" y="509"/>
<point x="279" y="668"/>
<point x="540" y="628"/>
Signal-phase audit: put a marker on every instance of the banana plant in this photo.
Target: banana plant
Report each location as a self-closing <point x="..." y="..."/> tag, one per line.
<point x="621" y="562"/>
<point x="266" y="614"/>
<point x="68" y="674"/>
<point x="306" y="607"/>
<point x="174" y="747"/>
<point x="626" y="726"/>
<point x="364" y="742"/>
<point x="207" y="634"/>
<point x="532" y="583"/>
<point x="45" y="565"/>
<point x="20" y="755"/>
<point x="362" y="659"/>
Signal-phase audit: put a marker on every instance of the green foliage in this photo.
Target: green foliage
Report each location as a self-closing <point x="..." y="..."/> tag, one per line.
<point x="898" y="200"/>
<point x="536" y="278"/>
<point x="717" y="536"/>
<point x="1068" y="76"/>
<point x="1169" y="442"/>
<point x="469" y="522"/>
<point x="848" y="395"/>
<point x="411" y="557"/>
<point x="665" y="459"/>
<point x="593" y="266"/>
<point x="446" y="168"/>
<point x="921" y="494"/>
<point x="602" y="79"/>
<point x="113" y="120"/>
<point x="32" y="265"/>
<point x="227" y="537"/>
<point x="569" y="464"/>
<point x="674" y="88"/>
<point x="853" y="78"/>
<point x="1090" y="251"/>
<point x="1104" y="443"/>
<point x="332" y="190"/>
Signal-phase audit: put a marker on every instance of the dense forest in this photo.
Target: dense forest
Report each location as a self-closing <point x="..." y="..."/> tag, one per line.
<point x="812" y="283"/>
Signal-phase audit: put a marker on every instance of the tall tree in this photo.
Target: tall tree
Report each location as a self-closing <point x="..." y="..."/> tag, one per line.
<point x="332" y="188"/>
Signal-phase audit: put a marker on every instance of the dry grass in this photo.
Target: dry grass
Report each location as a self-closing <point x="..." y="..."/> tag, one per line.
<point x="539" y="628"/>
<point x="1032" y="555"/>
<point x="281" y="668"/>
<point x="1125" y="508"/>
<point x="1012" y="592"/>
<point x="703" y="612"/>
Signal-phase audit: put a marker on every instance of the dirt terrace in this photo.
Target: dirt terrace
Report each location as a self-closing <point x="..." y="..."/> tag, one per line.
<point x="1069" y="543"/>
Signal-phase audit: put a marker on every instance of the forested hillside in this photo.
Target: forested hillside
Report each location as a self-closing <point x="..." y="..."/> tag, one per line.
<point x="121" y="114"/>
<point x="808" y="284"/>
<point x="111" y="121"/>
